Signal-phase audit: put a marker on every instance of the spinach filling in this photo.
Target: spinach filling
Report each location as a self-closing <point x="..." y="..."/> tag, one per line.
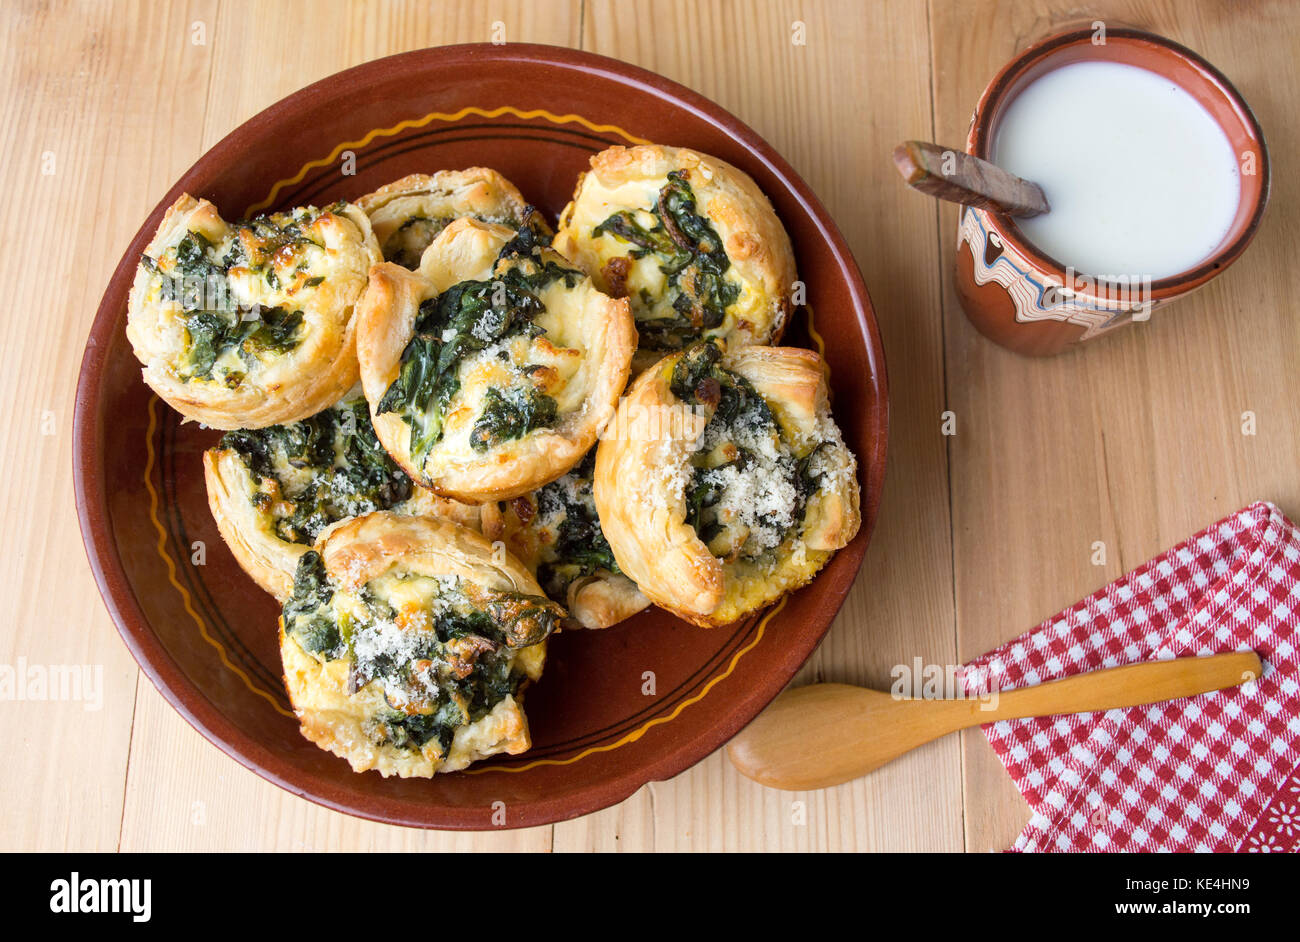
<point x="509" y="415"/>
<point x="214" y="324"/>
<point x="440" y="668"/>
<point x="580" y="548"/>
<point x="741" y="439"/>
<point x="690" y="253"/>
<point x="307" y="614"/>
<point x="349" y="471"/>
<point x="467" y="318"/>
<point x="407" y="244"/>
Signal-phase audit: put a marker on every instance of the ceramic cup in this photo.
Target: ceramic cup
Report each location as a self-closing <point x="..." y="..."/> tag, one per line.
<point x="1024" y="299"/>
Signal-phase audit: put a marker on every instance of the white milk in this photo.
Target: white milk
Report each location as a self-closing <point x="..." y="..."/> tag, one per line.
<point x="1140" y="178"/>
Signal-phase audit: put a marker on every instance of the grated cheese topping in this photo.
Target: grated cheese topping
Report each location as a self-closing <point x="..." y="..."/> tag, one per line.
<point x="757" y="499"/>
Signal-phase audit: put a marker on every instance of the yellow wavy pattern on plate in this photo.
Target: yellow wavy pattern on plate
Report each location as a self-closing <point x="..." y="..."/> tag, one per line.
<point x="657" y="721"/>
<point x="429" y="119"/>
<point x="817" y="338"/>
<point x="171" y="566"/>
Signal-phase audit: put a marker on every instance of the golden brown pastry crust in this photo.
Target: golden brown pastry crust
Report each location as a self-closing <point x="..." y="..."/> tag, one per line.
<point x="588" y="345"/>
<point x="629" y="178"/>
<point x="367" y="548"/>
<point x="276" y="387"/>
<point x="643" y="469"/>
<point x="363" y="548"/>
<point x="408" y="214"/>
<point x="598" y="599"/>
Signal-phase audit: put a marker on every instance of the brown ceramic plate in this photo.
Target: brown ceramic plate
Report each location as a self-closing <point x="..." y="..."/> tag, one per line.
<point x="206" y="636"/>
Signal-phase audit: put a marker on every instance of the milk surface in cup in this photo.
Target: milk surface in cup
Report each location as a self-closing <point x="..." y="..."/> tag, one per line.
<point x="1141" y="179"/>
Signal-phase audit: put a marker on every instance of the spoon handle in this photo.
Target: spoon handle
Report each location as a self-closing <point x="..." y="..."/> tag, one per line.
<point x="956" y="176"/>
<point x="1126" y="686"/>
<point x="824" y="734"/>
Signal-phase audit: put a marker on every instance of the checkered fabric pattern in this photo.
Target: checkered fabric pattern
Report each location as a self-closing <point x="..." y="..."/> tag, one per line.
<point x="1217" y="772"/>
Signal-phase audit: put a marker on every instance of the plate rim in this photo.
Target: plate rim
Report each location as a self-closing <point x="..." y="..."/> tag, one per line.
<point x="104" y="557"/>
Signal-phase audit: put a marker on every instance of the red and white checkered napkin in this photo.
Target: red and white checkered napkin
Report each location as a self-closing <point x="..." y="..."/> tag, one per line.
<point x="1216" y="772"/>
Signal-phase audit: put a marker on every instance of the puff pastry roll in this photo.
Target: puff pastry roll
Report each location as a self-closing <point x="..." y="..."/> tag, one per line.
<point x="409" y="213"/>
<point x="273" y="490"/>
<point x="689" y="240"/>
<point x="555" y="531"/>
<point x="492" y="368"/>
<point x="406" y="645"/>
<point x="725" y="482"/>
<point x="249" y="324"/>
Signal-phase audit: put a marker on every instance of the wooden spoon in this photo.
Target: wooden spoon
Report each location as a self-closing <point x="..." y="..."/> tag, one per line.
<point x="825" y="734"/>
<point x="956" y="176"/>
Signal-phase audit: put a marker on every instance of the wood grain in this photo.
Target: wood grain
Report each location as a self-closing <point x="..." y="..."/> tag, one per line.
<point x="1134" y="442"/>
<point x="902" y="602"/>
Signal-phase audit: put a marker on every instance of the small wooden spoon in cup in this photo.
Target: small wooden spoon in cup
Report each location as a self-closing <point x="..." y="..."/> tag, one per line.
<point x="956" y="176"/>
<point x="824" y="734"/>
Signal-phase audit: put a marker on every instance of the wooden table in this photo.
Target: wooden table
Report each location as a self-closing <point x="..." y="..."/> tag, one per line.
<point x="1134" y="442"/>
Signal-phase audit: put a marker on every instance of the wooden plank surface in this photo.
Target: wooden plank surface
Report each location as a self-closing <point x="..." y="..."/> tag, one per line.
<point x="1134" y="442"/>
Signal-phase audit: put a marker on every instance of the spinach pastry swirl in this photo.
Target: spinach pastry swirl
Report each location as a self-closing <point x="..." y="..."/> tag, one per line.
<point x="728" y="483"/>
<point x="492" y="368"/>
<point x="407" y="643"/>
<point x="249" y="324"/>
<point x="273" y="490"/>
<point x="689" y="240"/>
<point x="555" y="531"/>
<point x="408" y="214"/>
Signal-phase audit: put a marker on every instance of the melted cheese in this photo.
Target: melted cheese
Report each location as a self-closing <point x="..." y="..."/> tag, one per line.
<point x="553" y="363"/>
